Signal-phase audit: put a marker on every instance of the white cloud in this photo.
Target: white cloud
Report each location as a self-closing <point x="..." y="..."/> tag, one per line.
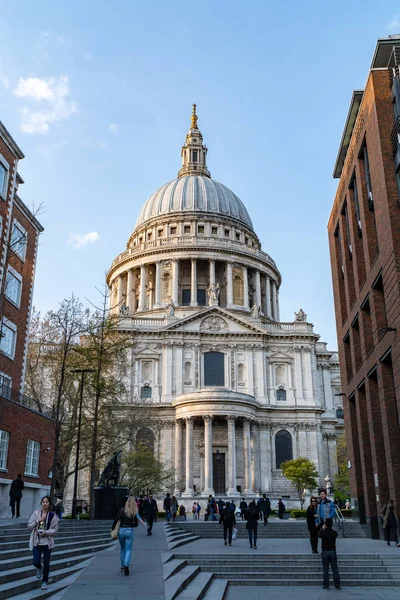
<point x="394" y="24"/>
<point x="52" y="94"/>
<point x="112" y="128"/>
<point x="78" y="240"/>
<point x="4" y="82"/>
<point x="88" y="55"/>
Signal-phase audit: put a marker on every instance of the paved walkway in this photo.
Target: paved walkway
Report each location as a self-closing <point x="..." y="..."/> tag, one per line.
<point x="102" y="579"/>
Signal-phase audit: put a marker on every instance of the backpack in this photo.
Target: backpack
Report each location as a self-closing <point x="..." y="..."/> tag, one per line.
<point x="228" y="515"/>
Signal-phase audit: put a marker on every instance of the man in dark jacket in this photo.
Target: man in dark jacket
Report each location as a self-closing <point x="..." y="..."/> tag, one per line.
<point x="150" y="511"/>
<point x="227" y="518"/>
<point x="16" y="494"/>
<point x="328" y="553"/>
<point x="264" y="505"/>
<point x="243" y="506"/>
<point x="167" y="507"/>
<point x="252" y="516"/>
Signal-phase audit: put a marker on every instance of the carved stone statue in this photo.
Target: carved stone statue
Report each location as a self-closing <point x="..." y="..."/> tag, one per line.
<point x="300" y="316"/>
<point x="124" y="310"/>
<point x="110" y="475"/>
<point x="213" y="294"/>
<point x="170" y="309"/>
<point x="255" y="311"/>
<point x="213" y="323"/>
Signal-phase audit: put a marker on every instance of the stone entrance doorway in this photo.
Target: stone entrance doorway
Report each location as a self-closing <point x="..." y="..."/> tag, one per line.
<point x="219" y="472"/>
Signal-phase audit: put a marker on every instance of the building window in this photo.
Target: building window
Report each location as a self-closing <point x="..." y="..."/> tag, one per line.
<point x="200" y="229"/>
<point x="346" y="218"/>
<point x="237" y="236"/>
<point x="227" y="232"/>
<point x="5" y="386"/>
<point x="149" y="235"/>
<point x="241" y="374"/>
<point x="145" y="392"/>
<point x="214" y="230"/>
<point x="186" y="297"/>
<point x="280" y="374"/>
<point x="368" y="177"/>
<point x="194" y="155"/>
<point x="13" y="286"/>
<point x="281" y="395"/>
<point x="8" y="338"/>
<point x="19" y="239"/>
<point x="160" y="233"/>
<point x="4" y="437"/>
<point x="32" y="458"/>
<point x="188" y="373"/>
<point x="3" y="181"/>
<point x="214" y="369"/>
<point x="147" y="370"/>
<point x="201" y="297"/>
<point x="357" y="204"/>
<point x="186" y="229"/>
<point x="172" y="230"/>
<point x="283" y="447"/>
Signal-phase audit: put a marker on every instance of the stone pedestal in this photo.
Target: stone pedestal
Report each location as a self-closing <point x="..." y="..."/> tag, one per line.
<point x="108" y="501"/>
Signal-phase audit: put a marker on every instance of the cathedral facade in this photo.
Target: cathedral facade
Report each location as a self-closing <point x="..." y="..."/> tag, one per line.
<point x="237" y="391"/>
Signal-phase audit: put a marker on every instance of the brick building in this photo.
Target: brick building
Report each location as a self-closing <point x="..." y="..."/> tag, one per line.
<point x="364" y="238"/>
<point x="26" y="434"/>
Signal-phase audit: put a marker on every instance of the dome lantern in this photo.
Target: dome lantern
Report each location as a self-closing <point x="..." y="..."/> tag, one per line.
<point x="194" y="152"/>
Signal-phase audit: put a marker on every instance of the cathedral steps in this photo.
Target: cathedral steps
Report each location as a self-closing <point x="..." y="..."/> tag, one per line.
<point x="208" y="575"/>
<point x="177" y="536"/>
<point x="76" y="545"/>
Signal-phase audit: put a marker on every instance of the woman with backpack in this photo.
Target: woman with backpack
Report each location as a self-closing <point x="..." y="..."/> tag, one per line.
<point x="44" y="525"/>
<point x="252" y="516"/>
<point x="128" y="518"/>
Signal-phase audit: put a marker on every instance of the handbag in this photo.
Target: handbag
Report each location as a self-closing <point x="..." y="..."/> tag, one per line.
<point x="115" y="531"/>
<point x="234" y="533"/>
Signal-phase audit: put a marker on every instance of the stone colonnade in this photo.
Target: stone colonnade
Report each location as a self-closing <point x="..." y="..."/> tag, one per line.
<point x="250" y="459"/>
<point x="266" y="286"/>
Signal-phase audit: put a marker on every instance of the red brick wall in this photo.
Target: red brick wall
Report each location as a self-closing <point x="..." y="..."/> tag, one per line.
<point x="373" y="439"/>
<point x="23" y="425"/>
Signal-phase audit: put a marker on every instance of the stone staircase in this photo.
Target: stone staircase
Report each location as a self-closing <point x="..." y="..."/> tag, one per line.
<point x="76" y="544"/>
<point x="196" y="576"/>
<point x="186" y="531"/>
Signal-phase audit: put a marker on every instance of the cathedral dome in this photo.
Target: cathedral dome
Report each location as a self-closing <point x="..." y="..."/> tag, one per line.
<point x="194" y="193"/>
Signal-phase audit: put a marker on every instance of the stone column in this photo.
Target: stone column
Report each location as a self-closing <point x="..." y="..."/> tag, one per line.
<point x="208" y="457"/>
<point x="193" y="283"/>
<point x="268" y="295"/>
<point x="232" y="485"/>
<point x="189" y="491"/>
<point x="258" y="290"/>
<point x="253" y="447"/>
<point x="212" y="271"/>
<point x="178" y="456"/>
<point x="247" y="457"/>
<point x="175" y="288"/>
<point x="274" y="305"/>
<point x="129" y="291"/>
<point x="119" y="295"/>
<point x="229" y="285"/>
<point x="245" y="289"/>
<point x="326" y="378"/>
<point x="265" y="455"/>
<point x="142" y="290"/>
<point x="158" y="285"/>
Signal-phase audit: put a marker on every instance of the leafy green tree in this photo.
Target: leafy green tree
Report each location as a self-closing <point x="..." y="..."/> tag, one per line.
<point x="342" y="481"/>
<point x="143" y="473"/>
<point x="302" y="473"/>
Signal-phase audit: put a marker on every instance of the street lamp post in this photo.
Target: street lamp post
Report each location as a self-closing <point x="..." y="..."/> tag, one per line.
<point x="78" y="440"/>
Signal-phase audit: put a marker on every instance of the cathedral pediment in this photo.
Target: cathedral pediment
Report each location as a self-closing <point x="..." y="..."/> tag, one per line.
<point x="215" y="320"/>
<point x="279" y="356"/>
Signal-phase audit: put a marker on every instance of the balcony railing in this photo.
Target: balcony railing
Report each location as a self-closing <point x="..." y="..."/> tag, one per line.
<point x="396" y="136"/>
<point x="15" y="396"/>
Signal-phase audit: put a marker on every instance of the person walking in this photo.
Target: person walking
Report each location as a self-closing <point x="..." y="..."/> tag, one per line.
<point x="59" y="508"/>
<point x="326" y="508"/>
<point x="15" y="495"/>
<point x="328" y="554"/>
<point x="265" y="506"/>
<point x="313" y="523"/>
<point x="194" y="510"/>
<point x="44" y="525"/>
<point x="167" y="507"/>
<point x="182" y="512"/>
<point x="221" y="505"/>
<point x="243" y="508"/>
<point x="198" y="509"/>
<point x="213" y="507"/>
<point x="227" y="518"/>
<point x="281" y="509"/>
<point x="252" y="516"/>
<point x="150" y="510"/>
<point x="390" y="522"/>
<point x="174" y="508"/>
<point x="128" y="517"/>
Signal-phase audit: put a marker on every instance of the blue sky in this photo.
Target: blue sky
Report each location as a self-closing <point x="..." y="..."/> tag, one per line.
<point x="99" y="96"/>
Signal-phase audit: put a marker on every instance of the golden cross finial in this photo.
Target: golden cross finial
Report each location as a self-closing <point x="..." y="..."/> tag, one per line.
<point x="194" y="117"/>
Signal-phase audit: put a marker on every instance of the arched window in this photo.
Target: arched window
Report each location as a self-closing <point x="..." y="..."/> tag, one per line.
<point x="283" y="447"/>
<point x="281" y="395"/>
<point x="145" y="440"/>
<point x="241" y="373"/>
<point x="214" y="369"/>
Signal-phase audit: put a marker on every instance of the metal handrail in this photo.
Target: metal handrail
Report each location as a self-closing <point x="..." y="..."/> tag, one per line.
<point x="340" y="518"/>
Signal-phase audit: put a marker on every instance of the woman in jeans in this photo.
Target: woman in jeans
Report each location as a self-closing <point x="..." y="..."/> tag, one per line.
<point x="313" y="523"/>
<point x="129" y="518"/>
<point x="44" y="525"/>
